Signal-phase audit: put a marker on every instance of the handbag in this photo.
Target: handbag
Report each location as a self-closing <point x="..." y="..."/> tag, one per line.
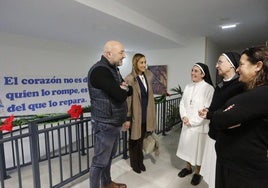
<point x="148" y="144"/>
<point x="151" y="144"/>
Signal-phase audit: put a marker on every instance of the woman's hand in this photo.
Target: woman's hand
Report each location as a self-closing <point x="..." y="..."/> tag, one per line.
<point x="185" y="121"/>
<point x="203" y="113"/>
<point x="126" y="126"/>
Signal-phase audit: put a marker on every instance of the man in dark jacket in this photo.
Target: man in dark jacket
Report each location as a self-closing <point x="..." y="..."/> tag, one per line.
<point x="108" y="93"/>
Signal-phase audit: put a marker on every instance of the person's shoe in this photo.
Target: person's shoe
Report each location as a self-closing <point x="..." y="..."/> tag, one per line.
<point x="120" y="185"/>
<point x="142" y="167"/>
<point x="184" y="172"/>
<point x="115" y="185"/>
<point x="136" y="169"/>
<point x="196" y="179"/>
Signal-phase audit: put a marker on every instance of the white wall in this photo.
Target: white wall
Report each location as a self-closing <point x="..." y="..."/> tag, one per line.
<point x="179" y="61"/>
<point x="212" y="54"/>
<point x="22" y="55"/>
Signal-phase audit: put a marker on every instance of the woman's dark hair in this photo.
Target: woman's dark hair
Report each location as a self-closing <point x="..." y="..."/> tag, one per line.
<point x="255" y="55"/>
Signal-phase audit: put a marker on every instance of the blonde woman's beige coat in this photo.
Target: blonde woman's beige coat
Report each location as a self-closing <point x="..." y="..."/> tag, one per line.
<point x="134" y="105"/>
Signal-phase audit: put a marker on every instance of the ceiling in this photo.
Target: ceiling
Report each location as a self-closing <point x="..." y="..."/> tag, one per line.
<point x="139" y="24"/>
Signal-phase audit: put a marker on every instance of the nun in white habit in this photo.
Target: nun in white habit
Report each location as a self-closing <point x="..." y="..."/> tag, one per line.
<point x="196" y="96"/>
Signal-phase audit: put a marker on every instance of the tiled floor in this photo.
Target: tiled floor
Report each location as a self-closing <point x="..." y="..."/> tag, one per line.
<point x="161" y="172"/>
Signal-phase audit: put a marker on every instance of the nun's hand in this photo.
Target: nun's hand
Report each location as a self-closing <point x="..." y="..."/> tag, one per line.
<point x="203" y="113"/>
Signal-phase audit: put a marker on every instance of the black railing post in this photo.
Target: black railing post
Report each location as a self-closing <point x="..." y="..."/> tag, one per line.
<point x="3" y="173"/>
<point x="164" y="117"/>
<point x="33" y="130"/>
<point x="82" y="136"/>
<point x="124" y="134"/>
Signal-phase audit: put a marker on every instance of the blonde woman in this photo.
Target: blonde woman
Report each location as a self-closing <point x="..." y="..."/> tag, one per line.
<point x="141" y="110"/>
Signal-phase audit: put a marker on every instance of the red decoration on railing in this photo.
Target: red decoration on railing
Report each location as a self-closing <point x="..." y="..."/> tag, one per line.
<point x="7" y="124"/>
<point x="75" y="111"/>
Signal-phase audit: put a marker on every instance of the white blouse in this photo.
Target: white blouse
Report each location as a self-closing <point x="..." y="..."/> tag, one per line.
<point x="143" y="81"/>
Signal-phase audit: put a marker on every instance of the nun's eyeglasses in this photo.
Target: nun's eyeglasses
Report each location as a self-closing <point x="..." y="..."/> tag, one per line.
<point x="219" y="62"/>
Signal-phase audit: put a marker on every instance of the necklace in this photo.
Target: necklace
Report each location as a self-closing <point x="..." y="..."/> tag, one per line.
<point x="192" y="95"/>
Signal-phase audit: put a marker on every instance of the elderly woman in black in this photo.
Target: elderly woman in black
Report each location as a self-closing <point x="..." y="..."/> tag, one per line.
<point x="242" y="140"/>
<point x="226" y="89"/>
